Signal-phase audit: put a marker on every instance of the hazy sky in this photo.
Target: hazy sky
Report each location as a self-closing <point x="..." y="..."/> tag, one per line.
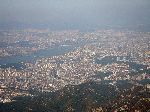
<point x="74" y="13"/>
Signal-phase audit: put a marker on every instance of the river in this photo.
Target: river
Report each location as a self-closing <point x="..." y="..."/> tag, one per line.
<point x="17" y="61"/>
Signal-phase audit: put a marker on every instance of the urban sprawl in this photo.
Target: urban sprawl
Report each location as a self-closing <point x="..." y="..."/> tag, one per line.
<point x="102" y="55"/>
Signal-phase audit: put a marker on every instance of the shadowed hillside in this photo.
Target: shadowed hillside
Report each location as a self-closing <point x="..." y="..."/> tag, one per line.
<point x="87" y="97"/>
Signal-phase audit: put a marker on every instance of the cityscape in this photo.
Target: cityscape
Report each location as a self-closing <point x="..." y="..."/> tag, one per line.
<point x="102" y="56"/>
<point x="75" y="56"/>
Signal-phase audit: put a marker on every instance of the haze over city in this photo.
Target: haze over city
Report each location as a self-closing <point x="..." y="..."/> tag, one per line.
<point x="74" y="14"/>
<point x="74" y="55"/>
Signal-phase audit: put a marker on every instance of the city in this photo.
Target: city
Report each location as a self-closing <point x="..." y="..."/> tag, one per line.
<point x="74" y="55"/>
<point x="105" y="55"/>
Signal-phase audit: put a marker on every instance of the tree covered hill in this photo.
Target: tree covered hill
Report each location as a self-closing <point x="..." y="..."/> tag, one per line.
<point x="86" y="97"/>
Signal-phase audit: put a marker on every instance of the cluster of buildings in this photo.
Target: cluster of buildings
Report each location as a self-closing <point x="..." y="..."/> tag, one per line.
<point x="24" y="42"/>
<point x="80" y="65"/>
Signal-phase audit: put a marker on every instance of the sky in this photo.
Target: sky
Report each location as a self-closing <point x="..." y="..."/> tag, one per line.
<point x="62" y="14"/>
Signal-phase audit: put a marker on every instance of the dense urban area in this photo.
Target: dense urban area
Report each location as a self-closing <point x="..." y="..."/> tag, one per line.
<point x="92" y="71"/>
